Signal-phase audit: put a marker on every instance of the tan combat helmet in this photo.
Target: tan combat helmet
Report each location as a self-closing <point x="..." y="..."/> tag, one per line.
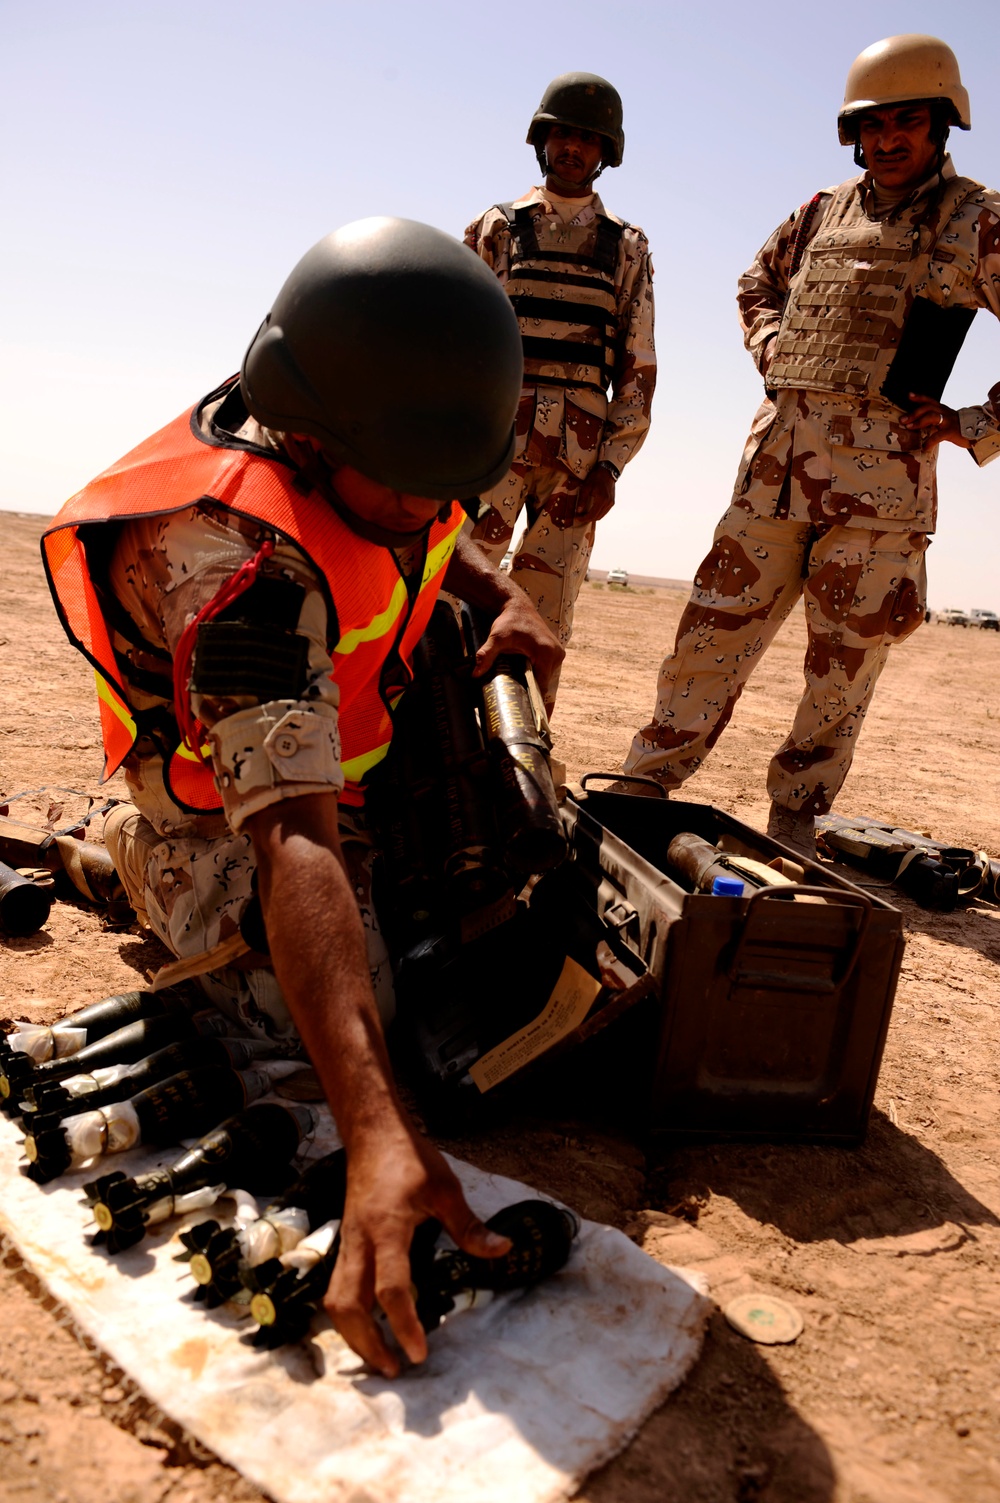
<point x="898" y="69"/>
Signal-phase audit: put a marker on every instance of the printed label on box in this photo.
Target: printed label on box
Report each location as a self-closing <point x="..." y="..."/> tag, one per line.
<point x="571" y="1000"/>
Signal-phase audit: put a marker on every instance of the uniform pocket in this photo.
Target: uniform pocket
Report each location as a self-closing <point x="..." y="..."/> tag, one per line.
<point x="585" y="413"/>
<point x="766" y="477"/>
<point x="909" y="606"/>
<point x="878" y="469"/>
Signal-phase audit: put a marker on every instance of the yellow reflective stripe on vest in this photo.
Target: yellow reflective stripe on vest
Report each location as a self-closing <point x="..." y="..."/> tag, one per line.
<point x="439" y="556"/>
<point x="383" y="623"/>
<point x="356" y="767"/>
<point x="379" y="626"/>
<point x="114" y="703"/>
<point x="183" y="750"/>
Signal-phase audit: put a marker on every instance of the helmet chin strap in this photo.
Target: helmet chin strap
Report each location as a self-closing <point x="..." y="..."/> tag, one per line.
<point x="550" y="172"/>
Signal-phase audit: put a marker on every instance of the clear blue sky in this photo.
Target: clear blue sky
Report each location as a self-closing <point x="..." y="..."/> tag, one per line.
<point x="165" y="164"/>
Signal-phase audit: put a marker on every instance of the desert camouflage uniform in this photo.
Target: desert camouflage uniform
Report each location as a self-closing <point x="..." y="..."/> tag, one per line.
<point x="191" y="877"/>
<point x="564" y="430"/>
<point x="834" y="500"/>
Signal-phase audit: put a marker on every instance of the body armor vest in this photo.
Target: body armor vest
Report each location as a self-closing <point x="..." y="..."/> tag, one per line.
<point x="376" y="619"/>
<point x="847" y="304"/>
<point x="575" y="290"/>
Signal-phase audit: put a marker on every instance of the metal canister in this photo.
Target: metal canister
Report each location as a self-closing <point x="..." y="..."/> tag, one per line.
<point x="24" y="906"/>
<point x="527" y="809"/>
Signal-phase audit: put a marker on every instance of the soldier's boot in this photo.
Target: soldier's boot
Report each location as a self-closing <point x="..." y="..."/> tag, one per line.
<point x="792" y="827"/>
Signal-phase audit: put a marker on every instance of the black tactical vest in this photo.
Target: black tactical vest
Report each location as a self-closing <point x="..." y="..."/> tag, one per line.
<point x="565" y="300"/>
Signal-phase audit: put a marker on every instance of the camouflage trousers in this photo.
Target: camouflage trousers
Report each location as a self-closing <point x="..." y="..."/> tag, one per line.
<point x="551" y="560"/>
<point x="862" y="590"/>
<point x="191" y="892"/>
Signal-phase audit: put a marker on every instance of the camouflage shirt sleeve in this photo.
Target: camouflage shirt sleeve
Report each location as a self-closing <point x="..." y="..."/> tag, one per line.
<point x="981" y="425"/>
<point x="761" y="289"/>
<point x="489" y="237"/>
<point x="627" y="422"/>
<point x="270" y="710"/>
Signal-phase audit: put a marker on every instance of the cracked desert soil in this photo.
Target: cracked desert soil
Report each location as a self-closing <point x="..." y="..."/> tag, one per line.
<point x="891" y="1252"/>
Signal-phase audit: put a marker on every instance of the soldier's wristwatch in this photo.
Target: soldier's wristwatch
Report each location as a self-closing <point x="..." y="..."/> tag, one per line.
<point x="606" y="464"/>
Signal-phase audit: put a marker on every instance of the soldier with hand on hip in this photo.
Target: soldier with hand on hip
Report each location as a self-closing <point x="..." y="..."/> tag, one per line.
<point x="853" y="311"/>
<point x="580" y="281"/>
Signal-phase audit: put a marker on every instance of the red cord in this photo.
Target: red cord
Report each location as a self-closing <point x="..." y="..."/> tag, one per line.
<point x="191" y="728"/>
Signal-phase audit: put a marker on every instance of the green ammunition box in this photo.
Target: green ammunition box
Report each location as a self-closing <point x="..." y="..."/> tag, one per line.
<point x="772" y="1008"/>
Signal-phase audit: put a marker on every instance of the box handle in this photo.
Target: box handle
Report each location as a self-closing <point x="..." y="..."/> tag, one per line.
<point x="780" y="979"/>
<point x="624" y="777"/>
<point x="619" y="915"/>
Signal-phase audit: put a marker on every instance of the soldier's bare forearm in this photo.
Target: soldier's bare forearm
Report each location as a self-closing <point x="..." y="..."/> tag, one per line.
<point x="318" y="950"/>
<point x="395" y="1179"/>
<point x="517" y="626"/>
<point x="472" y="577"/>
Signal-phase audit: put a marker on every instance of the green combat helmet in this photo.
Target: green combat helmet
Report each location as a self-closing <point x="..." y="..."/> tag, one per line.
<point x="399" y="352"/>
<point x="583" y="100"/>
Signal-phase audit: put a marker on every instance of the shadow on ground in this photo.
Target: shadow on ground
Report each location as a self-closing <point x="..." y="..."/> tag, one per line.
<point x="889" y="1187"/>
<point x="731" y="1436"/>
<point x="973" y="926"/>
<point x="730" y="1431"/>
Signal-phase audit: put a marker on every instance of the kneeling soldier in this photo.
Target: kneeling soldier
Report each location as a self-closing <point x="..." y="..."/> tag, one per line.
<point x="249" y="585"/>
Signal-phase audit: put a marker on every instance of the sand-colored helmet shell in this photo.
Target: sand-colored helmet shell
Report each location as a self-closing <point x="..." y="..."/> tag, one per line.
<point x="901" y="68"/>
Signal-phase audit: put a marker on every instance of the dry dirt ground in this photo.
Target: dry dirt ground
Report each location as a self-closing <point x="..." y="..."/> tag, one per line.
<point x="891" y="1253"/>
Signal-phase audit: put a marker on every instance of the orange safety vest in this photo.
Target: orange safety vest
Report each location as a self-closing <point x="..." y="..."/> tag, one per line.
<point x="374" y="613"/>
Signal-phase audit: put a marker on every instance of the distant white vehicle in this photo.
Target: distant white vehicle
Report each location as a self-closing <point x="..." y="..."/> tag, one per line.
<point x="506" y="561"/>
<point x="618" y="576"/>
<point x="988" y="620"/>
<point x="952" y="616"/>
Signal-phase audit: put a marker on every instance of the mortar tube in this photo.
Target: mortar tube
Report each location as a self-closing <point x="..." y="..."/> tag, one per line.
<point x="24" y="906"/>
<point x="222" y="1256"/>
<point x="696" y="860"/>
<point x="95" y="1021"/>
<point x="250" y="1150"/>
<point x="55" y="1100"/>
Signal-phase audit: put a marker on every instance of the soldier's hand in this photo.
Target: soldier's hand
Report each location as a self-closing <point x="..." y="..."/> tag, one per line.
<point x="597" y="495"/>
<point x="936" y="423"/>
<point x="520" y="629"/>
<point x="395" y="1181"/>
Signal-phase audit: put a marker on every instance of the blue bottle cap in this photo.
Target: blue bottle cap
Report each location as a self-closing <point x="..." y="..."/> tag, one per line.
<point x="727" y="887"/>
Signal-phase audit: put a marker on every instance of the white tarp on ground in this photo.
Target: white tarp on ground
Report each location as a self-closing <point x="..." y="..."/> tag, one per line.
<point x="518" y="1400"/>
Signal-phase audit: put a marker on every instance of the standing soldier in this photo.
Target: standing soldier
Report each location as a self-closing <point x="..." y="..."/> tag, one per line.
<point x="853" y="311"/>
<point x="580" y="281"/>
